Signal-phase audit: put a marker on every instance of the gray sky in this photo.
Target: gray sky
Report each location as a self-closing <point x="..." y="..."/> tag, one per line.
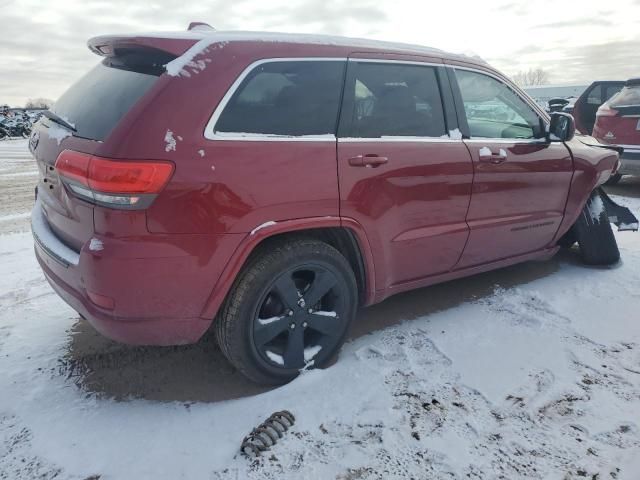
<point x="43" y="43"/>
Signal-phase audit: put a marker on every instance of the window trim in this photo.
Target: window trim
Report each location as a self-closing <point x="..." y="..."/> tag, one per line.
<point x="525" y="99"/>
<point x="211" y="134"/>
<point x="441" y="78"/>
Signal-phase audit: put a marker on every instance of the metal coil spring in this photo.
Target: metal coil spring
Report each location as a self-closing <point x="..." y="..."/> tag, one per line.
<point x="267" y="433"/>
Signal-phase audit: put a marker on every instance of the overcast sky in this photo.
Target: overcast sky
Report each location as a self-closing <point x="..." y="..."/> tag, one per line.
<point x="43" y="43"/>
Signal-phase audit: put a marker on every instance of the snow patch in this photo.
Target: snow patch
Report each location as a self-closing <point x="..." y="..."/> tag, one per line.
<point x="201" y="153"/>
<point x="275" y="358"/>
<point x="57" y="132"/>
<point x="325" y="313"/>
<point x="178" y="66"/>
<point x="311" y="352"/>
<point x="260" y="227"/>
<point x="267" y="321"/>
<point x="455" y="134"/>
<point x="170" y="141"/>
<point x="485" y="152"/>
<point x="95" y="245"/>
<point x="14" y="216"/>
<point x="595" y="208"/>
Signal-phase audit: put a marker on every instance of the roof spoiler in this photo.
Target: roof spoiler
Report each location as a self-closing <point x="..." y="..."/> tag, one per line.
<point x="200" y="26"/>
<point x="112" y="45"/>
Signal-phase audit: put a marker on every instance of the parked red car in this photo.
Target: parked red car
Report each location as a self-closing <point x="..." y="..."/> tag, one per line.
<point x="269" y="184"/>
<point x="585" y="107"/>
<point x="618" y="122"/>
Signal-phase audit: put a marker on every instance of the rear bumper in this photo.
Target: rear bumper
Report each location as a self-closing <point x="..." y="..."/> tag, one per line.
<point x="630" y="161"/>
<point x="150" y="290"/>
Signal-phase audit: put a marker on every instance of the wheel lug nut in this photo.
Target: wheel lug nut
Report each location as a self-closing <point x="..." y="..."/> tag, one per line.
<point x="292" y="326"/>
<point x="304" y="324"/>
<point x="290" y="313"/>
<point x="310" y="310"/>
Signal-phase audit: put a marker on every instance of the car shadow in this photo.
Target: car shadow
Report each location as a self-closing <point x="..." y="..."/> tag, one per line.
<point x="200" y="373"/>
<point x="628" y="186"/>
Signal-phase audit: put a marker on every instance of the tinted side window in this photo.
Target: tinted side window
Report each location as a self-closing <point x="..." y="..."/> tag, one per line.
<point x="395" y="100"/>
<point x="286" y="98"/>
<point x="595" y="96"/>
<point x="494" y="110"/>
<point x="611" y="90"/>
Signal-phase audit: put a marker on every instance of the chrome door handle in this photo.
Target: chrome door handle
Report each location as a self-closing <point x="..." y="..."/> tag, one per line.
<point x="369" y="160"/>
<point x="485" y="155"/>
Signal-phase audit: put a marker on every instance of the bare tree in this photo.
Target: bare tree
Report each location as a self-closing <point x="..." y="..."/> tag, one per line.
<point x="38" y="103"/>
<point x="533" y="76"/>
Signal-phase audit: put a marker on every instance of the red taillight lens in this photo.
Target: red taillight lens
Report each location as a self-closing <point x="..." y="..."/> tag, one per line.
<point x="110" y="176"/>
<point x="74" y="166"/>
<point x="113" y="182"/>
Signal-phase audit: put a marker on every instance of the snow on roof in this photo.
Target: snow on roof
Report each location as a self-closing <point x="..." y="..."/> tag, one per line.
<point x="215" y="36"/>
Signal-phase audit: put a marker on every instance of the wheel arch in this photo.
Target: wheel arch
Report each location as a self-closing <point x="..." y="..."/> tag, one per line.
<point x="345" y="235"/>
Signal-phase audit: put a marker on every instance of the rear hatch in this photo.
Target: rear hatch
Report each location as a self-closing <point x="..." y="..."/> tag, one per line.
<point x="82" y="120"/>
<point x="618" y="120"/>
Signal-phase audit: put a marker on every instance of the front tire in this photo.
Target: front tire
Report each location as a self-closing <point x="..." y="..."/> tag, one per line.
<point x="595" y="237"/>
<point x="289" y="309"/>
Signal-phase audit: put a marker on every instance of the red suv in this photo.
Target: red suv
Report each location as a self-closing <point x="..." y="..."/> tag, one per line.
<point x="618" y="122"/>
<point x="270" y="184"/>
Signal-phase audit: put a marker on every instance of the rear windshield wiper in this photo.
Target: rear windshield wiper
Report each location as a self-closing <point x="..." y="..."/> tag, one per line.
<point x="60" y="121"/>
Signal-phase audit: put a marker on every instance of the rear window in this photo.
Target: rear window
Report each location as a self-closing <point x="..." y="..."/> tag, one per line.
<point x="290" y="98"/>
<point x="627" y="97"/>
<point x="96" y="103"/>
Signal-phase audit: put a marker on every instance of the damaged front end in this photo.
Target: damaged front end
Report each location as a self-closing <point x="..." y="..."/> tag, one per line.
<point x="620" y="216"/>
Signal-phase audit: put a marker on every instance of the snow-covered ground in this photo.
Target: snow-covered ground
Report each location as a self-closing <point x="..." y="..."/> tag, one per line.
<point x="530" y="372"/>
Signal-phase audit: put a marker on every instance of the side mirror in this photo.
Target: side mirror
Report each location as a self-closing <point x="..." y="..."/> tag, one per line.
<point x="562" y="127"/>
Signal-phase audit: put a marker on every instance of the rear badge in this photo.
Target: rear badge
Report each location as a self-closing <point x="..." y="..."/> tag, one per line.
<point x="33" y="141"/>
<point x="609" y="136"/>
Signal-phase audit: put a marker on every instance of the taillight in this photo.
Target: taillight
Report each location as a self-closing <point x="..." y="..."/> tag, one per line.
<point x="605" y="110"/>
<point x="115" y="183"/>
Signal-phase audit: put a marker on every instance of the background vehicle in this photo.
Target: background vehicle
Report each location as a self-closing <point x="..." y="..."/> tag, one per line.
<point x="618" y="122"/>
<point x="277" y="182"/>
<point x="587" y="104"/>
<point x="15" y="124"/>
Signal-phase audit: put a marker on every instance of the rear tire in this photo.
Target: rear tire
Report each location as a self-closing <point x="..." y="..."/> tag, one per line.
<point x="613" y="179"/>
<point x="593" y="231"/>
<point x="289" y="309"/>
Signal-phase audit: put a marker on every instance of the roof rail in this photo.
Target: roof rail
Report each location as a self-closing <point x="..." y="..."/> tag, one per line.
<point x="200" y="26"/>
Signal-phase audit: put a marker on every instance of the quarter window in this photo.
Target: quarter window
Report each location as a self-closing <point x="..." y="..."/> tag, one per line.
<point x="291" y="98"/>
<point x="494" y="110"/>
<point x="394" y="100"/>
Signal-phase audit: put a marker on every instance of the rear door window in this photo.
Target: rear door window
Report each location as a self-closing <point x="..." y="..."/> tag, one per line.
<point x="98" y="101"/>
<point x="494" y="110"/>
<point x="286" y="98"/>
<point x="595" y="96"/>
<point x="611" y="90"/>
<point x="394" y="100"/>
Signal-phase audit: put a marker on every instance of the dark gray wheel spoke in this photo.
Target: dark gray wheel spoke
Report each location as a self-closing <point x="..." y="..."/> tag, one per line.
<point x="322" y="283"/>
<point x="264" y="333"/>
<point x="294" y="351"/>
<point x="326" y="325"/>
<point x="287" y="290"/>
